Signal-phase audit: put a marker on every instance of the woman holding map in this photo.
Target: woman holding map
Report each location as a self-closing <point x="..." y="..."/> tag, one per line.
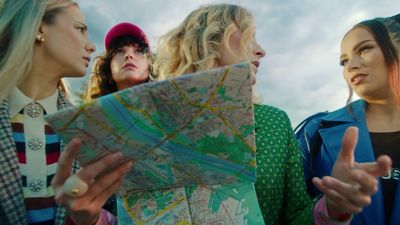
<point x="126" y="62"/>
<point x="219" y="35"/>
<point x="41" y="42"/>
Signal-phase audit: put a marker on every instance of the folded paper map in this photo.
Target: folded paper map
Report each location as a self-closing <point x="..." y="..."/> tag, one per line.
<point x="228" y="204"/>
<point x="196" y="129"/>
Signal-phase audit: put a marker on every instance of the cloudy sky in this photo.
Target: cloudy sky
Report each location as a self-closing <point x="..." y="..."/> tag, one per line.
<point x="300" y="73"/>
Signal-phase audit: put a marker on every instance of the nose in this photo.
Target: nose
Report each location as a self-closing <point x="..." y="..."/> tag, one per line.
<point x="259" y="51"/>
<point x="90" y="47"/>
<point x="128" y="56"/>
<point x="353" y="63"/>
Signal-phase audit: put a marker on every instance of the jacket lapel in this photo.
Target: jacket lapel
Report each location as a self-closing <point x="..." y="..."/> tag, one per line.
<point x="11" y="199"/>
<point x="332" y="139"/>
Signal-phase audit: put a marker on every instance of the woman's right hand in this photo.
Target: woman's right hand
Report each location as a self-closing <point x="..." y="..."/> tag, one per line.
<point x="351" y="184"/>
<point x="102" y="183"/>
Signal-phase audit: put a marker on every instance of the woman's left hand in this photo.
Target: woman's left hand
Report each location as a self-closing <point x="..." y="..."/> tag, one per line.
<point x="351" y="184"/>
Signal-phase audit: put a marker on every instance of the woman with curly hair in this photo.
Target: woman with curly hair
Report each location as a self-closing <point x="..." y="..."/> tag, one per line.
<point x="126" y="62"/>
<point x="223" y="34"/>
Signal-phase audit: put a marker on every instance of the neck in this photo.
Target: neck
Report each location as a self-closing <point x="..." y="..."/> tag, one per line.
<point x="122" y="86"/>
<point x="383" y="116"/>
<point x="38" y="85"/>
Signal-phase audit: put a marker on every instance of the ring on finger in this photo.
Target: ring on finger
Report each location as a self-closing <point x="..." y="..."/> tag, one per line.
<point x="75" y="187"/>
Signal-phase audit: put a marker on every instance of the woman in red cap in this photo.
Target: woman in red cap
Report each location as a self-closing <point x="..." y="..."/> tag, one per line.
<point x="126" y="62"/>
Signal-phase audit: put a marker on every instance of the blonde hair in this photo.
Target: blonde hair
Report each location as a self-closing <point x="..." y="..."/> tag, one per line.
<point x="20" y="21"/>
<point x="196" y="43"/>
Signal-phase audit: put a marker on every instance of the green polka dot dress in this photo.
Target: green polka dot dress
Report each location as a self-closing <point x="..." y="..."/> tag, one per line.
<point x="280" y="186"/>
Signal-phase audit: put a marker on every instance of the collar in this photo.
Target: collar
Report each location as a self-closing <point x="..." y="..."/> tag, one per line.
<point x="17" y="101"/>
<point x="343" y="114"/>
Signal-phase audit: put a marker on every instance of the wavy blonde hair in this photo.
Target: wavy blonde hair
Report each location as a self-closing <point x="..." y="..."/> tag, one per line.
<point x="195" y="44"/>
<point x="20" y="21"/>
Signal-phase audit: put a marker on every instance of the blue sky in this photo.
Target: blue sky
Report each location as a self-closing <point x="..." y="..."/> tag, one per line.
<point x="300" y="73"/>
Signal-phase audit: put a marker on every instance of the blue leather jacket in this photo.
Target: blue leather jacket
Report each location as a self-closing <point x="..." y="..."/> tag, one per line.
<point x="331" y="128"/>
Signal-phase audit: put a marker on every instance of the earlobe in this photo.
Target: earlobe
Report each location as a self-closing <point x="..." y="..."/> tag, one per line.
<point x="40" y="35"/>
<point x="39" y="39"/>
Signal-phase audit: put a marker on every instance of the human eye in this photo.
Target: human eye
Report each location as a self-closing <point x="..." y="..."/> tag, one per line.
<point x="82" y="29"/>
<point x="140" y="50"/>
<point x="365" y="48"/>
<point x="343" y="62"/>
<point x="120" y="51"/>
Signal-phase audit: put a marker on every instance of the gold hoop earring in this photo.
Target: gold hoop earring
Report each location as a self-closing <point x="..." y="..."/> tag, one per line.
<point x="39" y="39"/>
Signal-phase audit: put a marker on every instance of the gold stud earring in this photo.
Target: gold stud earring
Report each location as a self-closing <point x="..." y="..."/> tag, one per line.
<point x="39" y="39"/>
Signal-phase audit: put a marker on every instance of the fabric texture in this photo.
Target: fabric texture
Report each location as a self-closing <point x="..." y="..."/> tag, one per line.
<point x="12" y="207"/>
<point x="321" y="212"/>
<point x="280" y="185"/>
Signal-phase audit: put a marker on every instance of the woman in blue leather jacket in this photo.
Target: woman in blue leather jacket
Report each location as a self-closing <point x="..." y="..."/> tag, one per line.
<point x="370" y="60"/>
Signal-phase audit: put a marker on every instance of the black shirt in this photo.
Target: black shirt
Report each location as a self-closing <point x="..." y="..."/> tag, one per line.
<point x="388" y="144"/>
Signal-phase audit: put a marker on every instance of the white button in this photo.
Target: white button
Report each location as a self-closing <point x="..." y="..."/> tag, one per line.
<point x="35" y="144"/>
<point x="36" y="185"/>
<point x="33" y="110"/>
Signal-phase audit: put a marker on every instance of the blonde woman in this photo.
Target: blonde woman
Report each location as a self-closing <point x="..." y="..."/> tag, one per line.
<point x="41" y="42"/>
<point x="218" y="35"/>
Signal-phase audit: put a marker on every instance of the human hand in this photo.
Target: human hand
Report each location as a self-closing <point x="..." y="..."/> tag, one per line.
<point x="351" y="184"/>
<point x="102" y="183"/>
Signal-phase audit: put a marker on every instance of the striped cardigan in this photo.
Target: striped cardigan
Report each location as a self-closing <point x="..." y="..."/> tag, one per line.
<point x="12" y="206"/>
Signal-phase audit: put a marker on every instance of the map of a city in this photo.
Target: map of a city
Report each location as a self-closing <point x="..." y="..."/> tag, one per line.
<point x="229" y="204"/>
<point x="194" y="129"/>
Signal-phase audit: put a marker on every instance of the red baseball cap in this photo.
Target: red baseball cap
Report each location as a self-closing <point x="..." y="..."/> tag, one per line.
<point x="125" y="29"/>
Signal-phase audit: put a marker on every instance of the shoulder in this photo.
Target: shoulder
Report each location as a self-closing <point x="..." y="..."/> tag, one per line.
<point x="330" y="119"/>
<point x="4" y="104"/>
<point x="63" y="101"/>
<point x="349" y="113"/>
<point x="269" y="117"/>
<point x="267" y="111"/>
<point x="310" y="124"/>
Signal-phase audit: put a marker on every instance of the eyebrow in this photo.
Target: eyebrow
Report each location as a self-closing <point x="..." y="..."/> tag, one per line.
<point x="357" y="46"/>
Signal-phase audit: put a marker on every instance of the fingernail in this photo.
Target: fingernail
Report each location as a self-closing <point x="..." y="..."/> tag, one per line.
<point x="328" y="182"/>
<point x="128" y="166"/>
<point x="116" y="156"/>
<point x="75" y="142"/>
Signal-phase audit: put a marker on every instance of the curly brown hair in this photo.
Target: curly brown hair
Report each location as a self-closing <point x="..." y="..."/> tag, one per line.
<point x="101" y="81"/>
